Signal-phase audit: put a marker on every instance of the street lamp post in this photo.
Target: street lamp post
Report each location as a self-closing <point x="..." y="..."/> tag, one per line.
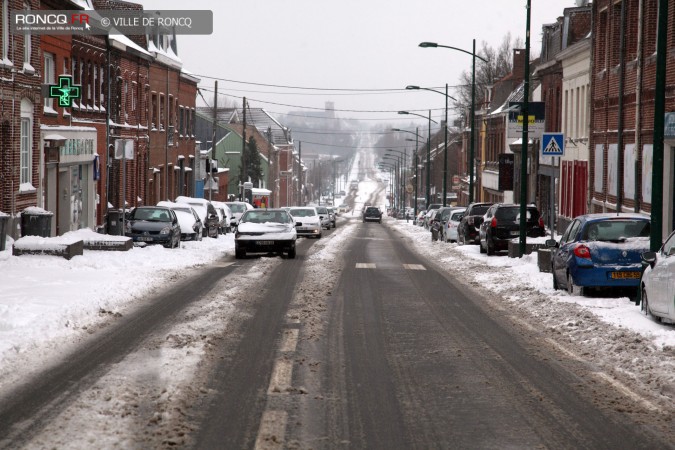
<point x="417" y="136"/>
<point x="402" y="178"/>
<point x="445" y="151"/>
<point x="473" y="102"/>
<point x="390" y="167"/>
<point x="397" y="165"/>
<point x="428" y="201"/>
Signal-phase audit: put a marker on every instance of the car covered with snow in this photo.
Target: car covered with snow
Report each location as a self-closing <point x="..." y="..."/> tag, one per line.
<point x="265" y="231"/>
<point x="207" y="213"/>
<point x="188" y="220"/>
<point x="238" y="208"/>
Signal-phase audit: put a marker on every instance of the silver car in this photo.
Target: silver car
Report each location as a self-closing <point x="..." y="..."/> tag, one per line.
<point x="658" y="281"/>
<point x="324" y="216"/>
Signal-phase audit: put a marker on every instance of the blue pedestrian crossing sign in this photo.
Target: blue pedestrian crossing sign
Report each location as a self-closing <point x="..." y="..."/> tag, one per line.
<point x="552" y="144"/>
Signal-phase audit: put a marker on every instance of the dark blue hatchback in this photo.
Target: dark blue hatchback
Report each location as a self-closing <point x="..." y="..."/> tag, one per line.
<point x="600" y="251"/>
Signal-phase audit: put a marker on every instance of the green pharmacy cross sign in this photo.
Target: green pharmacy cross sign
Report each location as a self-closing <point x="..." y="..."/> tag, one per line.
<point x="65" y="91"/>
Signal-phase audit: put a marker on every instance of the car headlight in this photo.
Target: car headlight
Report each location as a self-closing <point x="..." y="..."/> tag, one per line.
<point x="165" y="230"/>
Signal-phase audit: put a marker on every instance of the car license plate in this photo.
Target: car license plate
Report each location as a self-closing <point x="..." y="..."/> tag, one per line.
<point x="264" y="242"/>
<point x="144" y="238"/>
<point x="304" y="228"/>
<point x="625" y="275"/>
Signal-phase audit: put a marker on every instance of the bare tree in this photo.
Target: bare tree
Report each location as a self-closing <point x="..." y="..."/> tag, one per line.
<point x="499" y="64"/>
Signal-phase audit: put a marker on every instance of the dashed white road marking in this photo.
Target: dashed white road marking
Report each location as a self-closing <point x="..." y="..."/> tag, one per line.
<point x="281" y="377"/>
<point x="272" y="430"/>
<point x="414" y="267"/>
<point x="289" y="341"/>
<point x="365" y="266"/>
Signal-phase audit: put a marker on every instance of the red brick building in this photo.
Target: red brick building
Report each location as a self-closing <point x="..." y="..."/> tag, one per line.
<point x="171" y="120"/>
<point x="622" y="108"/>
<point x="20" y="114"/>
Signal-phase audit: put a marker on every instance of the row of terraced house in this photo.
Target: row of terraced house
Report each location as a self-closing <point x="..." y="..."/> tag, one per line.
<point x="596" y="88"/>
<point x="131" y="139"/>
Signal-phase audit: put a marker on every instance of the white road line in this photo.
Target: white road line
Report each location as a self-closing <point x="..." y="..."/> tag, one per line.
<point x="272" y="430"/>
<point x="626" y="391"/>
<point x="365" y="265"/>
<point x="414" y="267"/>
<point x="281" y="377"/>
<point x="289" y="340"/>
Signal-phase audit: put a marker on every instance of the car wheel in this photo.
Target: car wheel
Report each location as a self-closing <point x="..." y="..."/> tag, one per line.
<point x="239" y="253"/>
<point x="645" y="306"/>
<point x="555" y="281"/>
<point x="319" y="236"/>
<point x="480" y="247"/>
<point x="572" y="288"/>
<point x="291" y="253"/>
<point x="461" y="240"/>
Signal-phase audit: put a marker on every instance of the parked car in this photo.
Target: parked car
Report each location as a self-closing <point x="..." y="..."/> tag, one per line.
<point x="600" y="251"/>
<point x="442" y="215"/>
<point x="434" y="220"/>
<point x="343" y="208"/>
<point x="333" y="216"/>
<point x="372" y="214"/>
<point x="238" y="208"/>
<point x="307" y="221"/>
<point x="450" y="228"/>
<point x="420" y="218"/>
<point x="658" y="281"/>
<point x="265" y="231"/>
<point x="225" y="216"/>
<point x="324" y="216"/>
<point x="467" y="231"/>
<point x="207" y="213"/>
<point x="153" y="225"/>
<point x="188" y="220"/>
<point x="501" y="223"/>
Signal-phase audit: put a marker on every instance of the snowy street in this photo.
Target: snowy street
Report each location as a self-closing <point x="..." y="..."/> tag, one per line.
<point x="167" y="371"/>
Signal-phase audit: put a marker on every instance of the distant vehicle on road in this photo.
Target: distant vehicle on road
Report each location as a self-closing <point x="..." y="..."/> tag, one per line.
<point x="372" y="214"/>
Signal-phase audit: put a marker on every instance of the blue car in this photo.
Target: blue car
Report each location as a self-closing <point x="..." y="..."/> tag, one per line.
<point x="600" y="251"/>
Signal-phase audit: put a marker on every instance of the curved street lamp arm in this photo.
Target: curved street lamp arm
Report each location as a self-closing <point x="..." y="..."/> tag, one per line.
<point x="434" y="45"/>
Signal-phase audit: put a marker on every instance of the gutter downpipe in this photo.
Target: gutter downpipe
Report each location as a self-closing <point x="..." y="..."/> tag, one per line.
<point x="620" y="150"/>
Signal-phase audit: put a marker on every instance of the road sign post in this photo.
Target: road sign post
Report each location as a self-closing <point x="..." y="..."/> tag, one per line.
<point x="552" y="144"/>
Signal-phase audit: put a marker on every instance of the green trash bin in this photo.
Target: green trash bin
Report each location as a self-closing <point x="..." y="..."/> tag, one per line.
<point x="36" y="222"/>
<point x="4" y="221"/>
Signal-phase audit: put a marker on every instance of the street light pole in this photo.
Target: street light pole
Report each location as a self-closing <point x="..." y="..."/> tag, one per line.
<point x="445" y="150"/>
<point x="402" y="178"/>
<point x="473" y="101"/>
<point x="428" y="151"/>
<point x="417" y="136"/>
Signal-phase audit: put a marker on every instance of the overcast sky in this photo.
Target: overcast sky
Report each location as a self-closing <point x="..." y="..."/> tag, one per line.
<point x="348" y="44"/>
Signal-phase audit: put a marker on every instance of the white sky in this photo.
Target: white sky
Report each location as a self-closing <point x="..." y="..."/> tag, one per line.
<point x="350" y="44"/>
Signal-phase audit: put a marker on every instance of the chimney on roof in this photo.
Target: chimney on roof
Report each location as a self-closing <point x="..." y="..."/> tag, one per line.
<point x="518" y="62"/>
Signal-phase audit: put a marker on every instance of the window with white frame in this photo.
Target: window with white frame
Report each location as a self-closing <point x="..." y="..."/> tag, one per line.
<point x="26" y="142"/>
<point x="49" y="78"/>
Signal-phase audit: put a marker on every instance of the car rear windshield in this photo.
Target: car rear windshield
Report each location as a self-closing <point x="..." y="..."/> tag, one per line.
<point x="513" y="214"/>
<point x="236" y="207"/>
<point x="616" y="230"/>
<point x="479" y="210"/>
<point x="157" y="215"/>
<point x="457" y="216"/>
<point x="302" y="212"/>
<point x="372" y="209"/>
<point x="266" y="216"/>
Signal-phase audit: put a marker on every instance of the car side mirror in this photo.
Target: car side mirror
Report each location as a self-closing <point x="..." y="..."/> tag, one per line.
<point x="551" y="243"/>
<point x="649" y="258"/>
